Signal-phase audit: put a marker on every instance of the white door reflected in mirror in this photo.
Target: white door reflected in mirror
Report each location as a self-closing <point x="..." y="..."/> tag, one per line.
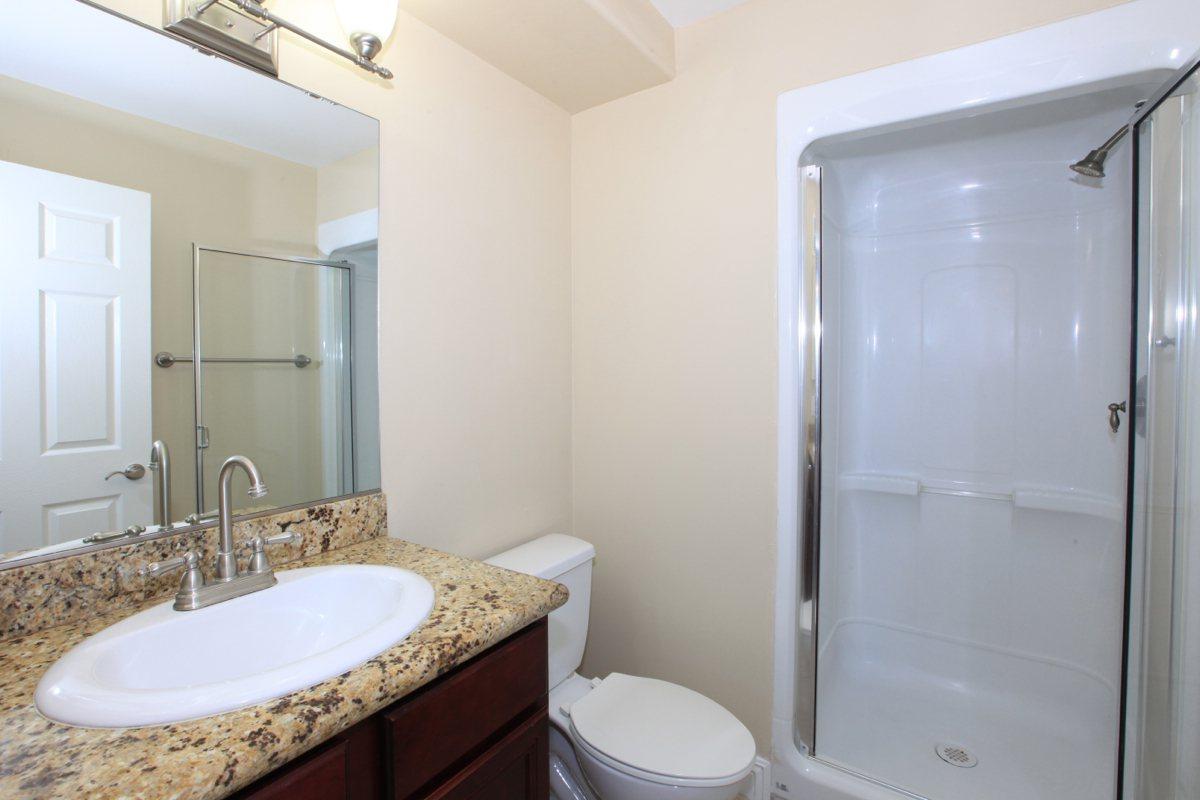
<point x="75" y="398"/>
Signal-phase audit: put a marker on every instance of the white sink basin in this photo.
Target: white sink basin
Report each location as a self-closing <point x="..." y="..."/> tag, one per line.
<point x="162" y="665"/>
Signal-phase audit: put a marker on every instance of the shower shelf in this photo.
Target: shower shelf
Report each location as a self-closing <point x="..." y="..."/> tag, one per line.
<point x="1037" y="498"/>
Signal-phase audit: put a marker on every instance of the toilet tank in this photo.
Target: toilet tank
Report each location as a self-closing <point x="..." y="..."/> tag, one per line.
<point x="568" y="561"/>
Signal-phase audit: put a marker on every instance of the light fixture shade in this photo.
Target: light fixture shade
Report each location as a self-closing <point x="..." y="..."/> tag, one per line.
<point x="376" y="17"/>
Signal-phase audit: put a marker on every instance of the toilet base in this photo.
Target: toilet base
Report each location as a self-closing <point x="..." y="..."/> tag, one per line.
<point x="566" y="776"/>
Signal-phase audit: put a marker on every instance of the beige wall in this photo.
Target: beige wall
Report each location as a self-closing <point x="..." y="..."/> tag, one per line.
<point x="673" y="243"/>
<point x="348" y="186"/>
<point x="201" y="190"/>
<point x="474" y="282"/>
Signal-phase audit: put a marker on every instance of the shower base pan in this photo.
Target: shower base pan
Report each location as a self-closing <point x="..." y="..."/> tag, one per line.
<point x="946" y="720"/>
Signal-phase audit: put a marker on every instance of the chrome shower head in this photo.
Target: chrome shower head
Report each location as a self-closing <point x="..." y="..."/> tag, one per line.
<point x="1092" y="165"/>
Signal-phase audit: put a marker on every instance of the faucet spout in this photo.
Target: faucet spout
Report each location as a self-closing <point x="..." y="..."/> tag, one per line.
<point x="226" y="559"/>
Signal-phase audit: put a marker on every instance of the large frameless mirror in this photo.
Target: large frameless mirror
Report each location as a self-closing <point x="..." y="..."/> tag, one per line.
<point x="188" y="256"/>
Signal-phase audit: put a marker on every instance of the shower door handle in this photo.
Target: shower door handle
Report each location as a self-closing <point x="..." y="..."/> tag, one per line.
<point x="1114" y="415"/>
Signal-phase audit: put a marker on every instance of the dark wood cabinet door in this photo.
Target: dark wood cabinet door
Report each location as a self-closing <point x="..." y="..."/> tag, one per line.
<point x="347" y="767"/>
<point x="515" y="768"/>
<point x="443" y="726"/>
<point x="321" y="776"/>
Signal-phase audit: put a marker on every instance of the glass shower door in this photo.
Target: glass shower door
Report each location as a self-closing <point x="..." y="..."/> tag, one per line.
<point x="974" y="328"/>
<point x="273" y="376"/>
<point x="1163" y="694"/>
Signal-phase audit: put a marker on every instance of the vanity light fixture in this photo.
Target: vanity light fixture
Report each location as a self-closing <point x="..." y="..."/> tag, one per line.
<point x="368" y="23"/>
<point x="246" y="30"/>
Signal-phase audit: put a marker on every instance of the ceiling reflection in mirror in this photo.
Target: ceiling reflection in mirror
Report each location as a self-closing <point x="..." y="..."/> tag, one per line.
<point x="188" y="258"/>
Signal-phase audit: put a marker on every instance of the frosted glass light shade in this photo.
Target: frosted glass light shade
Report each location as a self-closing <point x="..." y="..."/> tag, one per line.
<point x="376" y="17"/>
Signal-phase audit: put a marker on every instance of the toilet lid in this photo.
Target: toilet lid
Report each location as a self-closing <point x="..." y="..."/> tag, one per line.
<point x="662" y="728"/>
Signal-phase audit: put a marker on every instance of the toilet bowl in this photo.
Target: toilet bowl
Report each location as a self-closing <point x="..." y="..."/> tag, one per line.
<point x="624" y="737"/>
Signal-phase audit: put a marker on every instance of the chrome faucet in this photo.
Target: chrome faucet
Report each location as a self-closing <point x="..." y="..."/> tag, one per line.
<point x="196" y="592"/>
<point x="160" y="465"/>
<point x="226" y="558"/>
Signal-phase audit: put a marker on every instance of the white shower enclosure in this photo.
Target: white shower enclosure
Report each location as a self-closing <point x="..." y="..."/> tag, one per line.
<point x="972" y="517"/>
<point x="962" y="594"/>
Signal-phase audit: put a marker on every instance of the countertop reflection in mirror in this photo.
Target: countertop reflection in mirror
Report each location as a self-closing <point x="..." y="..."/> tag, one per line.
<point x="159" y="203"/>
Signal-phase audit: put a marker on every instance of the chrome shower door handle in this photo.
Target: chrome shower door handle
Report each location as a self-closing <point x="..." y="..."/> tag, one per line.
<point x="1114" y="415"/>
<point x="132" y="471"/>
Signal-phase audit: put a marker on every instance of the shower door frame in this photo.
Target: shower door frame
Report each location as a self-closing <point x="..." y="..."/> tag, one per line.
<point x="810" y="339"/>
<point x="1142" y="349"/>
<point x="200" y="443"/>
<point x="1106" y="48"/>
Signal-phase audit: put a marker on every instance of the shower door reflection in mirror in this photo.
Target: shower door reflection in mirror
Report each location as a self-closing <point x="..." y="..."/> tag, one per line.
<point x="276" y="373"/>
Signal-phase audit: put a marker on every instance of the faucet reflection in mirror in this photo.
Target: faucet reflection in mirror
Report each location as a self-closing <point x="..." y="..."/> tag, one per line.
<point x="160" y="465"/>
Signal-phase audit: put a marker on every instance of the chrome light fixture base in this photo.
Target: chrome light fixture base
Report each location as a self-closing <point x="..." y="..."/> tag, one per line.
<point x="366" y="45"/>
<point x="246" y="31"/>
<point x="227" y="30"/>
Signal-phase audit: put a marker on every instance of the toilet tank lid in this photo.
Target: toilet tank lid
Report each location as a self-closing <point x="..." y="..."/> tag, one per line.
<point x="546" y="557"/>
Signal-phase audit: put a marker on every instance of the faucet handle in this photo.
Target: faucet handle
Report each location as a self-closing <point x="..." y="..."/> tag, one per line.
<point x="189" y="562"/>
<point x="191" y="582"/>
<point x="155" y="568"/>
<point x="258" y="558"/>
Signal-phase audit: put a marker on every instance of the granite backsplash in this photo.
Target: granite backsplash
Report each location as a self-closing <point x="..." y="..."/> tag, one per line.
<point x="77" y="587"/>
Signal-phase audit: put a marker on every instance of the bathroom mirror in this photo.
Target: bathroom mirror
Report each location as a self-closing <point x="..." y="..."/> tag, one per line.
<point x="188" y="261"/>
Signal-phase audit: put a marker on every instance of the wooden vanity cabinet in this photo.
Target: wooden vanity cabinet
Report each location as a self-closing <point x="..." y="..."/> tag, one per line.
<point x="479" y="732"/>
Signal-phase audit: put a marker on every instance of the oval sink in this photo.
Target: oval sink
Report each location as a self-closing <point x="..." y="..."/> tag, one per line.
<point x="161" y="665"/>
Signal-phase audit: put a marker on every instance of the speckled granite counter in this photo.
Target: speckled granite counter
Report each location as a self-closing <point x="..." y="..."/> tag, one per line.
<point x="476" y="606"/>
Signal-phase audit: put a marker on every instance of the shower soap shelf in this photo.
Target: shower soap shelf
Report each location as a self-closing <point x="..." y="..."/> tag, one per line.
<point x="1037" y="498"/>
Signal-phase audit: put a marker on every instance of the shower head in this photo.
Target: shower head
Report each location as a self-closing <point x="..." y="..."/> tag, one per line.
<point x="1092" y="165"/>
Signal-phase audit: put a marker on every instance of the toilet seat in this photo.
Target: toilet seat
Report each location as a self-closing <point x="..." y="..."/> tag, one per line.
<point x="661" y="732"/>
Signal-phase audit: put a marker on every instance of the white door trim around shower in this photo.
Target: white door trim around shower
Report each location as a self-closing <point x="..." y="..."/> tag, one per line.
<point x="1076" y="56"/>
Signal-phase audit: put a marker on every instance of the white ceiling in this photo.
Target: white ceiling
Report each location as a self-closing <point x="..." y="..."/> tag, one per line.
<point x="684" y="12"/>
<point x="577" y="53"/>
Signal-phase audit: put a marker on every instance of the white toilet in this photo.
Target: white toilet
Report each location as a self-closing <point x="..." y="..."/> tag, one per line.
<point x="624" y="737"/>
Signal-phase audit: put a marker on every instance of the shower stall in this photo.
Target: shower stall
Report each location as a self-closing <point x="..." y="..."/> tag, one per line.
<point x="984" y="531"/>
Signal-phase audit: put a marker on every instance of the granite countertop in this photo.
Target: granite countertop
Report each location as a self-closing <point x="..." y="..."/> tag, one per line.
<point x="476" y="606"/>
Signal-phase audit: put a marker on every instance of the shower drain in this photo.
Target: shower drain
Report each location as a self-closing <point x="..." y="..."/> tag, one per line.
<point x="956" y="755"/>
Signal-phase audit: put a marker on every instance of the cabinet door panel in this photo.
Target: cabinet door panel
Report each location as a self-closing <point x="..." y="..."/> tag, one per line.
<point x="318" y="777"/>
<point x="443" y="725"/>
<point x="515" y="768"/>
